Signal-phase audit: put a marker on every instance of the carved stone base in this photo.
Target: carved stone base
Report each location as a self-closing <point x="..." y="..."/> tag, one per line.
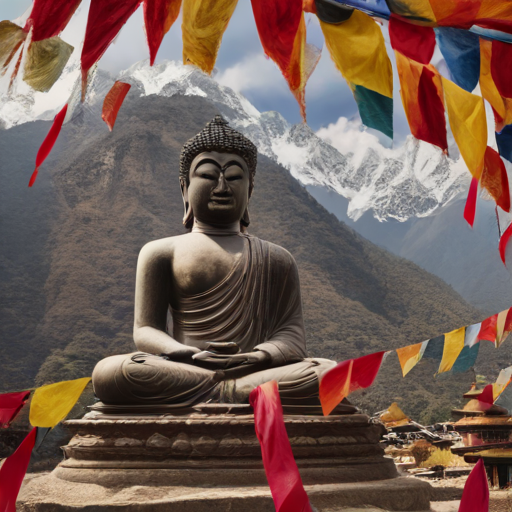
<point x="204" y="461"/>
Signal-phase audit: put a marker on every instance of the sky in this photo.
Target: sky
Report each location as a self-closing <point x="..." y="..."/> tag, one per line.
<point x="241" y="65"/>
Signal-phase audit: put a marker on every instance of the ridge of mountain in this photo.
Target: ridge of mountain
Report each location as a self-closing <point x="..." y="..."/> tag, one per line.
<point x="411" y="181"/>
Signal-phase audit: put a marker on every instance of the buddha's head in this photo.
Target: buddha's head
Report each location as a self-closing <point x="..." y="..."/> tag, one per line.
<point x="217" y="169"/>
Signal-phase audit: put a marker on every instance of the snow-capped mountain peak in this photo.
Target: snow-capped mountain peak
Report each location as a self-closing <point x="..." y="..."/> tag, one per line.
<point x="411" y="181"/>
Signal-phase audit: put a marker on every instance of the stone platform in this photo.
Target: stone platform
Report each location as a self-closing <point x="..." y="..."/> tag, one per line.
<point x="210" y="459"/>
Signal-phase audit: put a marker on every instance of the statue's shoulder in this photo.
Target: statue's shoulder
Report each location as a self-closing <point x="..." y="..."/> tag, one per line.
<point x="163" y="247"/>
<point x="278" y="255"/>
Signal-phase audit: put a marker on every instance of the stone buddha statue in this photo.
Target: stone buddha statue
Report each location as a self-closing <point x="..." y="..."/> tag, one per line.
<point x="234" y="300"/>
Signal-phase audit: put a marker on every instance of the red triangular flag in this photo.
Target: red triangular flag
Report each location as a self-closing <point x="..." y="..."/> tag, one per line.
<point x="504" y="242"/>
<point x="489" y="329"/>
<point x="346" y="377"/>
<point x="10" y="406"/>
<point x="486" y="398"/>
<point x="48" y="142"/>
<point x="475" y="497"/>
<point x="282" y="473"/>
<point x="13" y="471"/>
<point x="470" y="208"/>
<point x="112" y="103"/>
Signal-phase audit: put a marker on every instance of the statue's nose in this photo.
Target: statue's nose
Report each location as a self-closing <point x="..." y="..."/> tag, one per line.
<point x="222" y="186"/>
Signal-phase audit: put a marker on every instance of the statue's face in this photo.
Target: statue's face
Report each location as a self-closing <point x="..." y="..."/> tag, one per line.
<point x="218" y="189"/>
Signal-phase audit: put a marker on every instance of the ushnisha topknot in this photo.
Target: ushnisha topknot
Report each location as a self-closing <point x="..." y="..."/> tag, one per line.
<point x="217" y="135"/>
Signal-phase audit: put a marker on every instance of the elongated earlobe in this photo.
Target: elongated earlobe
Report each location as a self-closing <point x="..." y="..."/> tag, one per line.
<point x="245" y="220"/>
<point x="188" y="217"/>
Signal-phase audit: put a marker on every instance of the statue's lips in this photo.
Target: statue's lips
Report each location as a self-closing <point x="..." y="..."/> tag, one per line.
<point x="221" y="200"/>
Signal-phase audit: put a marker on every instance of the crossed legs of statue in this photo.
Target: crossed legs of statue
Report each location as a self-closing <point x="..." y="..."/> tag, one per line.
<point x="141" y="378"/>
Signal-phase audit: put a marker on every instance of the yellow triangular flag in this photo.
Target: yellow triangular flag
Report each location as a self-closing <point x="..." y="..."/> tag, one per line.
<point x="52" y="403"/>
<point x="453" y="345"/>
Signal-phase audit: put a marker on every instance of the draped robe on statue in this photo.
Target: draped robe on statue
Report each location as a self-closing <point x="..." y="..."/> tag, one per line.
<point x="258" y="306"/>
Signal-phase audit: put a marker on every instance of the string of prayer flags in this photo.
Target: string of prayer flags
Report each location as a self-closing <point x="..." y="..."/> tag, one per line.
<point x="466" y="113"/>
<point x="10" y="405"/>
<point x="49" y="18"/>
<point x="453" y="345"/>
<point x="505" y="237"/>
<point x="48" y="142"/>
<point x="112" y="103"/>
<point x="204" y="24"/>
<point x="45" y="62"/>
<point x="346" y="377"/>
<point x="415" y="42"/>
<point x="410" y="356"/>
<point x="13" y="471"/>
<point x="282" y="473"/>
<point x="470" y="206"/>
<point x="295" y="58"/>
<point x="52" y="403"/>
<point x="159" y="16"/>
<point x="475" y="496"/>
<point x="461" y="51"/>
<point x="495" y="179"/>
<point x="105" y="20"/>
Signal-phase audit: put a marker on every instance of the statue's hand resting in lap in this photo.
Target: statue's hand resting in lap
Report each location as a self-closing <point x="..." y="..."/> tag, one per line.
<point x="216" y="360"/>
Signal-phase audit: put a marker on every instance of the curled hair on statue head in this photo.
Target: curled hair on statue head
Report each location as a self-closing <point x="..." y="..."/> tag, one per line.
<point x="218" y="136"/>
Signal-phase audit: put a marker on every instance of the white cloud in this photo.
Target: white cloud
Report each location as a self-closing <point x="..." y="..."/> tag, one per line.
<point x="254" y="73"/>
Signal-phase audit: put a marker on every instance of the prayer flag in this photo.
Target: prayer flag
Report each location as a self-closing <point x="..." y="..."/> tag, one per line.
<point x="413" y="41"/>
<point x="489" y="89"/>
<point x="204" y="23"/>
<point x="488" y="329"/>
<point x="455" y="13"/>
<point x="435" y="348"/>
<point x="421" y="92"/>
<point x="466" y="359"/>
<point x="282" y="30"/>
<point x="475" y="497"/>
<point x="501" y="63"/>
<point x="11" y="37"/>
<point x="461" y="51"/>
<point x="13" y="471"/>
<point x="495" y="179"/>
<point x="505" y="237"/>
<point x="433" y="124"/>
<point x="282" y="473"/>
<point x="48" y="142"/>
<point x="416" y="10"/>
<point x="358" y="51"/>
<point x="486" y="397"/>
<point x="346" y="377"/>
<point x="466" y="113"/>
<point x="502" y="382"/>
<point x="410" y="356"/>
<point x="495" y="15"/>
<point x="504" y="142"/>
<point x="453" y="345"/>
<point x="45" y="62"/>
<point x="52" y="403"/>
<point x="376" y="110"/>
<point x="112" y="103"/>
<point x="106" y="18"/>
<point x="49" y="18"/>
<point x="470" y="207"/>
<point x="10" y="405"/>
<point x="159" y="16"/>
<point x="471" y="336"/>
<point x="501" y="333"/>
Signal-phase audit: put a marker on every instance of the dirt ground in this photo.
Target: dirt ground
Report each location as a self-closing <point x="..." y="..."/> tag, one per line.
<point x="447" y="493"/>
